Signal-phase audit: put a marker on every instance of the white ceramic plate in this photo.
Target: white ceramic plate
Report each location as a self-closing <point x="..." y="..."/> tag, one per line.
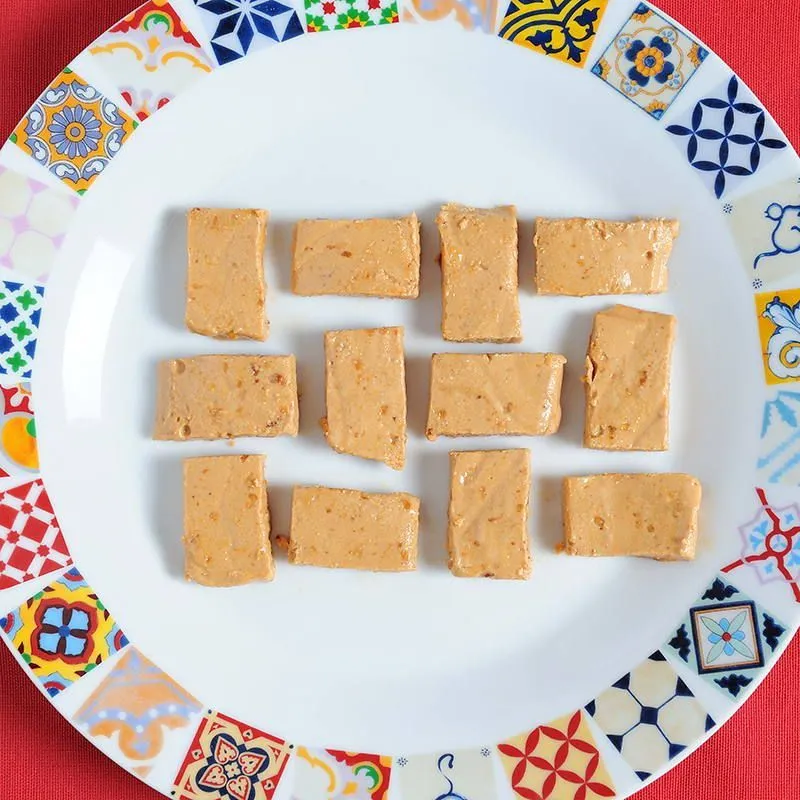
<point x="587" y="680"/>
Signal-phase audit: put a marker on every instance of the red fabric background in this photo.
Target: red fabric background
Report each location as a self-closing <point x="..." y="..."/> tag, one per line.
<point x="755" y="757"/>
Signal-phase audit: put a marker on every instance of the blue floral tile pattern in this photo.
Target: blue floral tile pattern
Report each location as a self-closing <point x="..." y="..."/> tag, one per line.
<point x="779" y="450"/>
<point x="726" y="638"/>
<point x="73" y="131"/>
<point x="650" y="715"/>
<point x="20" y="312"/>
<point x="239" y="27"/>
<point x="650" y="61"/>
<point x="727" y="137"/>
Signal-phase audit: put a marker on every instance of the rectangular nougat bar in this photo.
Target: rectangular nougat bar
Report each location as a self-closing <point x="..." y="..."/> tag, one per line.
<point x="220" y="397"/>
<point x="226" y="521"/>
<point x="487" y="533"/>
<point x="495" y="394"/>
<point x="225" y="287"/>
<point x="480" y="301"/>
<point x="356" y="530"/>
<point x="370" y="257"/>
<point x="365" y="394"/>
<point x="593" y="256"/>
<point x="627" y="380"/>
<point x="652" y="516"/>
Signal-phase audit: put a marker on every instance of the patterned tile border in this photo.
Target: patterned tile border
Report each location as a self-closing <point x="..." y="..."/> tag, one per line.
<point x="771" y="545"/>
<point x="335" y="15"/>
<point x="726" y="638"/>
<point x="778" y="316"/>
<point x="34" y="219"/>
<point x="779" y="448"/>
<point x="63" y="632"/>
<point x="650" y="715"/>
<point x="650" y="61"/>
<point x="557" y="760"/>
<point x="765" y="226"/>
<point x="447" y="774"/>
<point x="561" y="29"/>
<point x="333" y="774"/>
<point x="477" y="15"/>
<point x="237" y="28"/>
<point x="727" y="136"/>
<point x="31" y="541"/>
<point x="135" y="710"/>
<point x="73" y="131"/>
<point x="230" y="760"/>
<point x="19" y="450"/>
<point x="151" y="56"/>
<point x="20" y="314"/>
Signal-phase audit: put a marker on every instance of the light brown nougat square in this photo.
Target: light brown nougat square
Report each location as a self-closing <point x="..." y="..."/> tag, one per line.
<point x="480" y="301"/>
<point x="226" y="521"/>
<point x="220" y="397"/>
<point x="487" y="533"/>
<point x="652" y="516"/>
<point x="365" y="394"/>
<point x="225" y="287"/>
<point x="627" y="380"/>
<point x="496" y="394"/>
<point x="370" y="257"/>
<point x="350" y="529"/>
<point x="593" y="256"/>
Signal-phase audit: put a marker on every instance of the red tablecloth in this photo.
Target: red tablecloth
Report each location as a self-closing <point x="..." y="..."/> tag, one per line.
<point x="755" y="757"/>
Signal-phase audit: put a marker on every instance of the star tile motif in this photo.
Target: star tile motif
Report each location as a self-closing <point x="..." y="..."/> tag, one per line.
<point x="240" y="27"/>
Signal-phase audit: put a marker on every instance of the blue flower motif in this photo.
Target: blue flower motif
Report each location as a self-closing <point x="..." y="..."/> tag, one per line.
<point x="725" y="625"/>
<point x="726" y="636"/>
<point x="75" y="132"/>
<point x="64" y="630"/>
<point x="650" y="61"/>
